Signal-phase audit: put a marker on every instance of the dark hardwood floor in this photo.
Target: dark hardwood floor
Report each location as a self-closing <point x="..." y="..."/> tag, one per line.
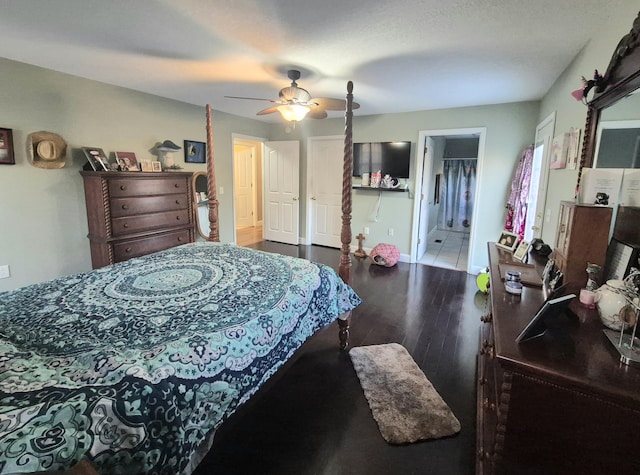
<point x="312" y="416"/>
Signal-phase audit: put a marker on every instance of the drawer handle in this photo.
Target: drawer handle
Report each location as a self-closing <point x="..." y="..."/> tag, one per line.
<point x="180" y="239"/>
<point x="178" y="218"/>
<point x="483" y="454"/>
<point x="127" y="250"/>
<point x="177" y="202"/>
<point x="486" y="318"/>
<point x="489" y="351"/>
<point x="125" y="206"/>
<point x="482" y="381"/>
<point x="489" y="405"/>
<point x="125" y="225"/>
<point x="123" y="187"/>
<point x="176" y="185"/>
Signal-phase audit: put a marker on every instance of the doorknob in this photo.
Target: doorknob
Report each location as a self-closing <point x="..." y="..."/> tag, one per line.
<point x="295" y="198"/>
<point x="313" y="198"/>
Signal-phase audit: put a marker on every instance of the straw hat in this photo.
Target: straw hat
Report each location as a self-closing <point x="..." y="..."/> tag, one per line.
<point x="46" y="150"/>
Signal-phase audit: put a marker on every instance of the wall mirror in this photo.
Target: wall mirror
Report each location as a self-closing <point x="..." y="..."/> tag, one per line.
<point x="614" y="111"/>
<point x="201" y="203"/>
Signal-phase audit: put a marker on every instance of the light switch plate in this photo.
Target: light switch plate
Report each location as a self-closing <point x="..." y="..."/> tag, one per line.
<point x="4" y="272"/>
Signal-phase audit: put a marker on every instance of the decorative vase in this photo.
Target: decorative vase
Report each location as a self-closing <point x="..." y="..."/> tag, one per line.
<point x="610" y="300"/>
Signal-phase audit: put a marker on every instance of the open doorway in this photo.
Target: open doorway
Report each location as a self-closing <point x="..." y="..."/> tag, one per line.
<point x="448" y="169"/>
<point x="247" y="190"/>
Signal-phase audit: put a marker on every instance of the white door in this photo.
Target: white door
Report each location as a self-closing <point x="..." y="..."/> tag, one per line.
<point x="243" y="186"/>
<point x="539" y="177"/>
<point x="325" y="162"/>
<point x="281" y="191"/>
<point x="423" y="218"/>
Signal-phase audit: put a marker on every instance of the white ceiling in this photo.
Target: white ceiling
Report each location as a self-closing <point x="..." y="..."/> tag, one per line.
<point x="402" y="55"/>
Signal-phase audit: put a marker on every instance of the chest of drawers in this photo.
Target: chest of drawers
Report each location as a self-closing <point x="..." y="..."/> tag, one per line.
<point x="558" y="404"/>
<point x="133" y="214"/>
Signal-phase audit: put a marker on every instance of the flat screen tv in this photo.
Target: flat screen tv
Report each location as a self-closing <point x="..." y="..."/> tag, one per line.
<point x="391" y="158"/>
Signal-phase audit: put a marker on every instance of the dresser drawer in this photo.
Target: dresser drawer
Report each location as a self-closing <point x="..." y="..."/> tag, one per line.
<point x="144" y="222"/>
<point x="135" y="187"/>
<point x="147" y="204"/>
<point x="139" y="247"/>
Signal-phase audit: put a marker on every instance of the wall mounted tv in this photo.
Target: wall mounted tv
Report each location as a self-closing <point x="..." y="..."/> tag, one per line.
<point x="391" y="158"/>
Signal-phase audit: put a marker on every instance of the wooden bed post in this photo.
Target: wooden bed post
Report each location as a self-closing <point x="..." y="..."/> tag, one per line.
<point x="344" y="270"/>
<point x="214" y="233"/>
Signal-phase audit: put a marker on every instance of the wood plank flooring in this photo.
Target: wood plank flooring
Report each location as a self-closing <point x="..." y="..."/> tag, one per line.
<point x="312" y="416"/>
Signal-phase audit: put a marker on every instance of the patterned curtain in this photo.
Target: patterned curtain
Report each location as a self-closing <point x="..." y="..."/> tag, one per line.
<point x="458" y="191"/>
<point x="517" y="202"/>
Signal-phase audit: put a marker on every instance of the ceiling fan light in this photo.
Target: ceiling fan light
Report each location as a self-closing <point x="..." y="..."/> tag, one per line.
<point x="293" y="112"/>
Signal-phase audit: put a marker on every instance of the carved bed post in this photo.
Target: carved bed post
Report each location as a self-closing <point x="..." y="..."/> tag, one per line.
<point x="344" y="270"/>
<point x="214" y="233"/>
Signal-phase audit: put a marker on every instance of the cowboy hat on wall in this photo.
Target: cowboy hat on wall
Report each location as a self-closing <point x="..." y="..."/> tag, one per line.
<point x="46" y="150"/>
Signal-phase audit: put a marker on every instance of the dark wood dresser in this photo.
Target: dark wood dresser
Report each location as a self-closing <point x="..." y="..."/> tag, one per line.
<point x="559" y="404"/>
<point x="131" y="214"/>
<point x="582" y="237"/>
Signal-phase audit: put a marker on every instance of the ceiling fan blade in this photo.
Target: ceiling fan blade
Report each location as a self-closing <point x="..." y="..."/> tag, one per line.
<point x="251" y="98"/>
<point x="270" y="110"/>
<point x="317" y="113"/>
<point x="331" y="104"/>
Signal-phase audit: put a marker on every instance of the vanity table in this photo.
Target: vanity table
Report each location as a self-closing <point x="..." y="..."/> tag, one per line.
<point x="551" y="405"/>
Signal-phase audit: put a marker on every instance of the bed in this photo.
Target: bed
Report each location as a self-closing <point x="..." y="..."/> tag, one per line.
<point x="130" y="368"/>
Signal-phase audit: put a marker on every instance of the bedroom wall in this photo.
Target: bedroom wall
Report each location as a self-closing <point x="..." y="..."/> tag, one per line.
<point x="42" y="212"/>
<point x="571" y="113"/>
<point x="510" y="128"/>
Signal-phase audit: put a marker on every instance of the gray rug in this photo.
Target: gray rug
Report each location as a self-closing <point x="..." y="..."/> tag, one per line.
<point x="404" y="403"/>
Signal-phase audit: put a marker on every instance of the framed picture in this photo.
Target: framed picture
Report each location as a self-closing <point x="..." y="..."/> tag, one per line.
<point x="6" y="147"/>
<point x="522" y="251"/>
<point x="507" y="240"/>
<point x="145" y="166"/>
<point x="194" y="152"/>
<point x="127" y="162"/>
<point x="156" y="166"/>
<point x="97" y="159"/>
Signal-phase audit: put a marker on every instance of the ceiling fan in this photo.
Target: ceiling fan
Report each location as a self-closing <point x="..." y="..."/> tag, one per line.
<point x="295" y="103"/>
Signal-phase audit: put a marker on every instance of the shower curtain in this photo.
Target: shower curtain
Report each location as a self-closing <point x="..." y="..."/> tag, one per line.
<point x="458" y="191"/>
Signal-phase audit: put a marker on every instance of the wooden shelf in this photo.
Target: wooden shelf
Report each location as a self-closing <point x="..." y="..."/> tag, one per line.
<point x="401" y="189"/>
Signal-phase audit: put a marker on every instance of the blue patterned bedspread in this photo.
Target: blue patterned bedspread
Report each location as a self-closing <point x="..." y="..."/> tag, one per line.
<point x="132" y="365"/>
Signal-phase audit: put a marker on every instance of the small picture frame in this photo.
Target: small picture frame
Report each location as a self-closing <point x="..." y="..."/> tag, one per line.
<point x="96" y="158"/>
<point x="194" y="152"/>
<point x="156" y="166"/>
<point x="145" y="166"/>
<point x="507" y="241"/>
<point x="522" y="251"/>
<point x="127" y="162"/>
<point x="7" y="156"/>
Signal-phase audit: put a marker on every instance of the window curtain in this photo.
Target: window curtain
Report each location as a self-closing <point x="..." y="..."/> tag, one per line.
<point x="458" y="190"/>
<point x="517" y="203"/>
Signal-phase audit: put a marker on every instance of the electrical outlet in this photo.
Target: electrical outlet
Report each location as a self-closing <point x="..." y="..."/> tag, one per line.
<point x="390" y="231"/>
<point x="366" y="230"/>
<point x="4" y="272"/>
<point x="222" y="190"/>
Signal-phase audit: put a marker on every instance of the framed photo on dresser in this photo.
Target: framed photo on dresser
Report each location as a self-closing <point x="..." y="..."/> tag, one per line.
<point x="96" y="158"/>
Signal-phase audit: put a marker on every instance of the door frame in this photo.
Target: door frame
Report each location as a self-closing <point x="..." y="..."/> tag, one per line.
<point x="420" y="183"/>
<point x="258" y="142"/>
<point x="308" y="208"/>
<point x="544" y="173"/>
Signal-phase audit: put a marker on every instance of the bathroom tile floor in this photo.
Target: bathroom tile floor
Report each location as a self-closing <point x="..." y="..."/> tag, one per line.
<point x="447" y="249"/>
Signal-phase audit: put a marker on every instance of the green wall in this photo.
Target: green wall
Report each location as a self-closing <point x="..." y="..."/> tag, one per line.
<point x="42" y="212"/>
<point x="571" y="113"/>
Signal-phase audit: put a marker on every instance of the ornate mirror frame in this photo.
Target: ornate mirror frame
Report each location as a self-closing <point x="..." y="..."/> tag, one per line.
<point x="622" y="78"/>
